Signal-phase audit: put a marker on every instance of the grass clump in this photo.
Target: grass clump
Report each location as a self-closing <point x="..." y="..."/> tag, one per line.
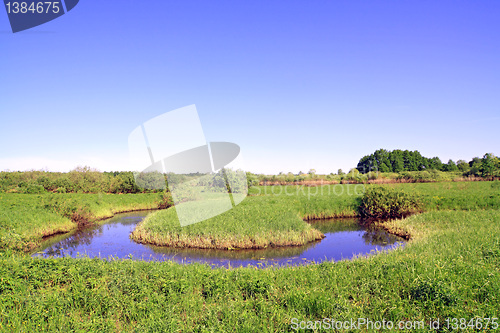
<point x="386" y="202"/>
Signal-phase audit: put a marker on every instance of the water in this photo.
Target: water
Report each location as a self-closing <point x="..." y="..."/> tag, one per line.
<point x="345" y="238"/>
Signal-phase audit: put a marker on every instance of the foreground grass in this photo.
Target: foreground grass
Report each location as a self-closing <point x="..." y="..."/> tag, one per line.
<point x="26" y="218"/>
<point x="450" y="269"/>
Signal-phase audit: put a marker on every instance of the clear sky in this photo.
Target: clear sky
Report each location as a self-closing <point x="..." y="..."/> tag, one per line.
<point x="297" y="84"/>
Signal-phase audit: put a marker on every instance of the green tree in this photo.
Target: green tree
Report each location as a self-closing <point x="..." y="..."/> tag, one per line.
<point x="397" y="161"/>
<point x="463" y="166"/>
<point x="435" y="163"/>
<point x="409" y="161"/>
<point x="382" y="158"/>
<point x="475" y="167"/>
<point x="450" y="166"/>
<point x="488" y="165"/>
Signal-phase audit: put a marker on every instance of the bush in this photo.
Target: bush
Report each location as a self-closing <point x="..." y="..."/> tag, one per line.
<point x="165" y="200"/>
<point x="47" y="184"/>
<point x="252" y="179"/>
<point x="33" y="189"/>
<point x="386" y="202"/>
<point x="69" y="207"/>
<point x="61" y="190"/>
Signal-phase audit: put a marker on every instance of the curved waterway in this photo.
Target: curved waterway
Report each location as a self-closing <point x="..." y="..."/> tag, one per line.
<point x="345" y="239"/>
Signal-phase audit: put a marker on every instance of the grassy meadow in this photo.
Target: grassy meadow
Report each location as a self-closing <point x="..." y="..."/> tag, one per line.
<point x="448" y="269"/>
<point x="342" y="200"/>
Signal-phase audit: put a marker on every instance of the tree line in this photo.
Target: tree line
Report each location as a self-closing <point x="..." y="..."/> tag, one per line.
<point x="79" y="180"/>
<point x="88" y="180"/>
<point x="398" y="161"/>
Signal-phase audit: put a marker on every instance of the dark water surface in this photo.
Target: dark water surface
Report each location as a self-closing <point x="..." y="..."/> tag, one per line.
<point x="345" y="238"/>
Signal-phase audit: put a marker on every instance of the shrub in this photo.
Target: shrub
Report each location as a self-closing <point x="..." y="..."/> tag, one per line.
<point x="33" y="189"/>
<point x="46" y="183"/>
<point x="70" y="208"/>
<point x="431" y="292"/>
<point x="165" y="200"/>
<point x="61" y="190"/>
<point x="386" y="202"/>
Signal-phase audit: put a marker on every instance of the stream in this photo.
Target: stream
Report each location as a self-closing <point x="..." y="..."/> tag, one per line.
<point x="345" y="239"/>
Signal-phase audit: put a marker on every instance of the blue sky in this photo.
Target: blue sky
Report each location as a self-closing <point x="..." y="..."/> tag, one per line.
<point x="297" y="84"/>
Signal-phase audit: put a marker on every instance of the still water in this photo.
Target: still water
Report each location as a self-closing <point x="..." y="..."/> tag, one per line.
<point x="345" y="238"/>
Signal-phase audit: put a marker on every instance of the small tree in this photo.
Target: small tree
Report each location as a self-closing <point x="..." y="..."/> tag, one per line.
<point x="450" y="166"/>
<point x="488" y="164"/>
<point x="475" y="166"/>
<point x="462" y="165"/>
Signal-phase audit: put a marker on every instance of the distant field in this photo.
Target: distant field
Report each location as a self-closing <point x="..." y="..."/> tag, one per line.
<point x="341" y="200"/>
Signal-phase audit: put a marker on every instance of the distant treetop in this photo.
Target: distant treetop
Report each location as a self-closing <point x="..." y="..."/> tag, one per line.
<point x="404" y="160"/>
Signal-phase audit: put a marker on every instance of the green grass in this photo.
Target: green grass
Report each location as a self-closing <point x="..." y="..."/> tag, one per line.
<point x="26" y="218"/>
<point x="24" y="221"/>
<point x="258" y="222"/>
<point x="315" y="202"/>
<point x="342" y="200"/>
<point x="449" y="270"/>
<point x="457" y="195"/>
<point x="272" y="216"/>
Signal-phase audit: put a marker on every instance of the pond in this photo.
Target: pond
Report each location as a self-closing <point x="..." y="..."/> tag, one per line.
<point x="345" y="239"/>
